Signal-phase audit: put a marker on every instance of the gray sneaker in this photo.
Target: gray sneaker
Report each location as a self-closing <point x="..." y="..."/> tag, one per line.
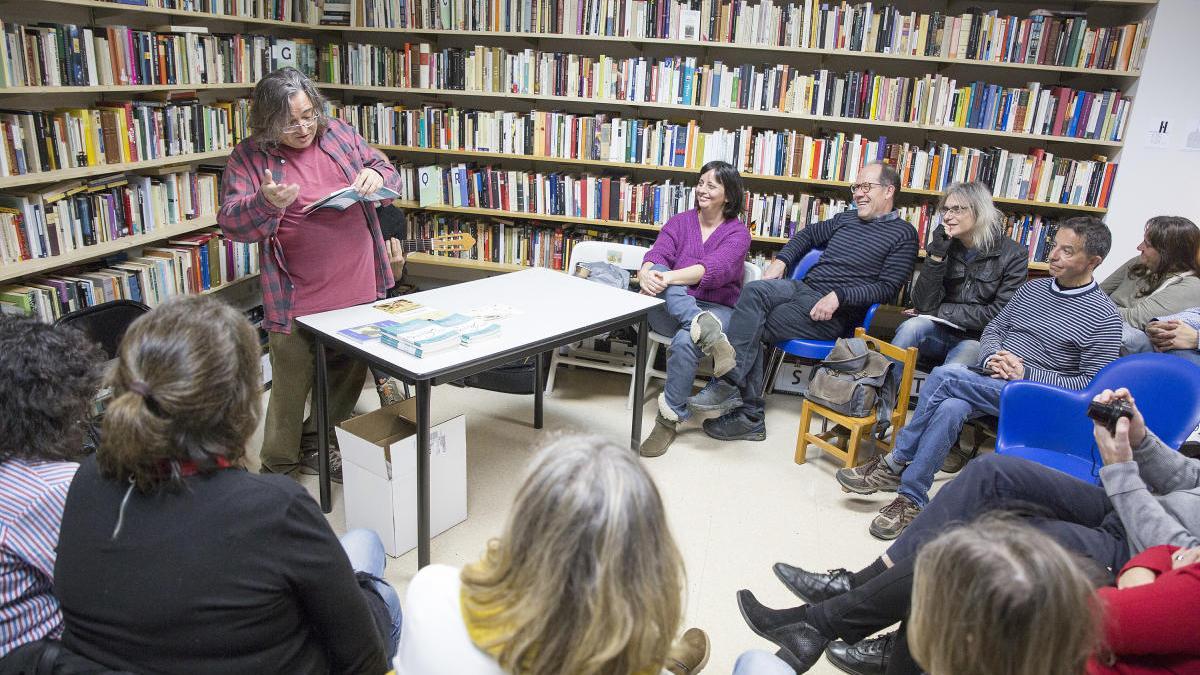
<point x="869" y="478"/>
<point x="717" y="395"/>
<point x="709" y="335"/>
<point x="893" y="518"/>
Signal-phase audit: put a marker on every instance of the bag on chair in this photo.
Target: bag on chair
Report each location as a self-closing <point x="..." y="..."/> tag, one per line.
<point x="854" y="380"/>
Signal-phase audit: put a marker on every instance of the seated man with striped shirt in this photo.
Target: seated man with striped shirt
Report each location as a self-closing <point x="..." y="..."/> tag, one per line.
<point x="1059" y="331"/>
<point x="869" y="254"/>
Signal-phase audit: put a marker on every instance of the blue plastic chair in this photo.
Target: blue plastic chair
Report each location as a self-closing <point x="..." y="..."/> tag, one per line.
<point x="809" y="350"/>
<point x="1049" y="425"/>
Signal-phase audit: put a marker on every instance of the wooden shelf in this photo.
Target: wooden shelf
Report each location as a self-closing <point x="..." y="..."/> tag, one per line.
<point x="39" y="177"/>
<point x="823" y="119"/>
<point x="39" y="265"/>
<point x="99" y="4"/>
<point x="817" y="182"/>
<point x="124" y="88"/>
<point x="461" y="263"/>
<point x="231" y="284"/>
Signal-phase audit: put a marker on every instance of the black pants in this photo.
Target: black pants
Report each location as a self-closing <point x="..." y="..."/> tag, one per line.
<point x="769" y="311"/>
<point x="1078" y="515"/>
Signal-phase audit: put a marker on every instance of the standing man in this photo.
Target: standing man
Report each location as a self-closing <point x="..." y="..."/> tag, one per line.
<point x="1058" y="331"/>
<point x="869" y="254"/>
<point x="314" y="262"/>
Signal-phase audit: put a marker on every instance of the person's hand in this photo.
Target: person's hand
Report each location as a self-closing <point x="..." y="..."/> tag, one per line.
<point x="775" y="270"/>
<point x="910" y="312"/>
<point x="939" y="244"/>
<point x="825" y="307"/>
<point x="1114" y="448"/>
<point x="395" y="252"/>
<point x="1184" y="557"/>
<point x="1136" y="576"/>
<point x="1006" y="366"/>
<point x="368" y="181"/>
<point x="652" y="282"/>
<point x="1168" y="335"/>
<point x="280" y="196"/>
<point x="1137" y="425"/>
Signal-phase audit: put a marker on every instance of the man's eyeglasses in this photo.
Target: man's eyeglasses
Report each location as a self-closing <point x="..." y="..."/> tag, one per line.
<point x="303" y="125"/>
<point x="856" y="188"/>
<point x="953" y="210"/>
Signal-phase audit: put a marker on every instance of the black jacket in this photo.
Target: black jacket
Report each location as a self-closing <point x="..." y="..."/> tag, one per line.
<point x="971" y="294"/>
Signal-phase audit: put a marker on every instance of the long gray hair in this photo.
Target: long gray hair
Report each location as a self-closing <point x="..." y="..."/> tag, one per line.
<point x="989" y="221"/>
<point x="270" y="107"/>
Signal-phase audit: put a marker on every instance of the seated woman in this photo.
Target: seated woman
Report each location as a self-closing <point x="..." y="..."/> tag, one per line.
<point x="1023" y="606"/>
<point x="696" y="266"/>
<point x="174" y="558"/>
<point x="585" y="579"/>
<point x="1161" y="281"/>
<point x="48" y="376"/>
<point x="971" y="270"/>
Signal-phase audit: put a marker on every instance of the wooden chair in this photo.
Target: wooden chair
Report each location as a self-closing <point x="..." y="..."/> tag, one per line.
<point x="852" y="430"/>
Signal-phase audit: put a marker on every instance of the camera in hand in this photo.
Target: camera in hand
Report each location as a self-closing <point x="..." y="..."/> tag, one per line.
<point x="1107" y="414"/>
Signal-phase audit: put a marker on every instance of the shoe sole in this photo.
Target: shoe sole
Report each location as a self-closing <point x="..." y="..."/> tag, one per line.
<point x="697" y="333"/>
<point x="758" y="436"/>
<point x="724" y="357"/>
<point x="727" y="406"/>
<point x="885" y="536"/>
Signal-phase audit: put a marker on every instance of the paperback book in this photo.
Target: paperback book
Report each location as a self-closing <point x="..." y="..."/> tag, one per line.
<point x="343" y="198"/>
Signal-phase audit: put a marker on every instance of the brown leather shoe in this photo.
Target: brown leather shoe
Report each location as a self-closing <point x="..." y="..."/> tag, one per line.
<point x="660" y="438"/>
<point x="689" y="654"/>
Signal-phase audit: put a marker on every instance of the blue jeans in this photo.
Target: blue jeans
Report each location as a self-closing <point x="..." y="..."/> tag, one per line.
<point x="936" y="343"/>
<point x="951" y="395"/>
<point x="674" y="318"/>
<point x="1192" y="355"/>
<point x="758" y="662"/>
<point x="366" y="554"/>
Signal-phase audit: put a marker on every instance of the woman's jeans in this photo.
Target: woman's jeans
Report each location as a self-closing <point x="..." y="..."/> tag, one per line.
<point x="936" y="343"/>
<point x="366" y="554"/>
<point x="673" y="319"/>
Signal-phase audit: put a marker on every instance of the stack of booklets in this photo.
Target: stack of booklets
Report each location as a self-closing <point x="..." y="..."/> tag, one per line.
<point x="428" y="332"/>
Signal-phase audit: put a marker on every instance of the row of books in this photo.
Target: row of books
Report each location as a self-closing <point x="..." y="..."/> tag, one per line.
<point x="933" y="99"/>
<point x="191" y="264"/>
<point x="1048" y="38"/>
<point x="73" y="215"/>
<point x="832" y="156"/>
<point x="71" y="55"/>
<point x="298" y="11"/>
<point x="116" y="133"/>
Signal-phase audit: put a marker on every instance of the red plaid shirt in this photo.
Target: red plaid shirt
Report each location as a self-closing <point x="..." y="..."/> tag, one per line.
<point x="247" y="216"/>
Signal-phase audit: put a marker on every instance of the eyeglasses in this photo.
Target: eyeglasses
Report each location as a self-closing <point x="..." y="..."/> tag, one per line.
<point x="303" y="125"/>
<point x="953" y="210"/>
<point x="856" y="188"/>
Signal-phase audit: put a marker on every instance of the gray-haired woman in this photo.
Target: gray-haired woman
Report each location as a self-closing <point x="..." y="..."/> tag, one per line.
<point x="971" y="271"/>
<point x="311" y="262"/>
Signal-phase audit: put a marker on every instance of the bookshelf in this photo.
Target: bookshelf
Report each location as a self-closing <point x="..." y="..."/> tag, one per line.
<point x="1005" y="73"/>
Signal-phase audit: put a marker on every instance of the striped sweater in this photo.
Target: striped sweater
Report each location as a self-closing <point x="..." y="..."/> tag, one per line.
<point x="1064" y="337"/>
<point x="865" y="262"/>
<point x="32" y="495"/>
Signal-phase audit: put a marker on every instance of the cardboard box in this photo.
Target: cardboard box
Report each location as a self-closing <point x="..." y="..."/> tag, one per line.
<point x="379" y="474"/>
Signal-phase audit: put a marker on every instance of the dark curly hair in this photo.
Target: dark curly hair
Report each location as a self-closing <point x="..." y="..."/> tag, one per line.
<point x="48" y="376"/>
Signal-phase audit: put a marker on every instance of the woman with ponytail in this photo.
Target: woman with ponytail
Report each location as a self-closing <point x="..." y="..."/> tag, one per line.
<point x="174" y="558"/>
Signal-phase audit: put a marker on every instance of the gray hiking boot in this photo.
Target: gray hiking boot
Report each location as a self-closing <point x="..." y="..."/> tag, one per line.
<point x="717" y="395"/>
<point x="709" y="335"/>
<point x="869" y="478"/>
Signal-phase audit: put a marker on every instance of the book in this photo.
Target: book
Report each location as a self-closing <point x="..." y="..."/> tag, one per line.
<point x="342" y="198"/>
<point x="368" y="332"/>
<point x="429" y="339"/>
<point x="479" y="331"/>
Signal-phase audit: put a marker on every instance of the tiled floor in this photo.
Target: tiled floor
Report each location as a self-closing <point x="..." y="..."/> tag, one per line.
<point x="734" y="508"/>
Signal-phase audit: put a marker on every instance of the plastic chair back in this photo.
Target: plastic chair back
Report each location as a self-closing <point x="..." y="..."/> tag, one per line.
<point x="1049" y="425"/>
<point x="625" y="256"/>
<point x="750" y="272"/>
<point x="106" y="323"/>
<point x="806" y="263"/>
<point x="817" y="350"/>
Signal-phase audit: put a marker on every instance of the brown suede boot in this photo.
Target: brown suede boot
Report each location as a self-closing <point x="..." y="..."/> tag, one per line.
<point x="660" y="437"/>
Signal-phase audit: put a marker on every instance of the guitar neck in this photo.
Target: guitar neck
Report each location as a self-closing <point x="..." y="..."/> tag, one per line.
<point x="416" y="245"/>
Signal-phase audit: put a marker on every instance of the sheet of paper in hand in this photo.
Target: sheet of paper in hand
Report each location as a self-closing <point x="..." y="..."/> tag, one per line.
<point x="342" y="198"/>
<point x="944" y="322"/>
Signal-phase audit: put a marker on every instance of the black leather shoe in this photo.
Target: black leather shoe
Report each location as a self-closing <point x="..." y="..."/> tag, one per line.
<point x="801" y="644"/>
<point x="867" y="657"/>
<point x="813" y="587"/>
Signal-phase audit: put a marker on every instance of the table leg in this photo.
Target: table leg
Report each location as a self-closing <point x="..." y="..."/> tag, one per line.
<point x="639" y="384"/>
<point x="539" y="391"/>
<point x="423" y="424"/>
<point x="321" y="403"/>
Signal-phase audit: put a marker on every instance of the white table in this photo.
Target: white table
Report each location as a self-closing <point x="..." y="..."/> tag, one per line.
<point x="553" y="309"/>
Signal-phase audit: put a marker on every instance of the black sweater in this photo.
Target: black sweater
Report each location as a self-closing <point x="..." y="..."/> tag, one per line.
<point x="865" y="262"/>
<point x="237" y="573"/>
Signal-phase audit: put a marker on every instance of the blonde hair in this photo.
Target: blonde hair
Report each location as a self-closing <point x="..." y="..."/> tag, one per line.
<point x="586" y="578"/>
<point x="186" y="388"/>
<point x="1000" y="598"/>
<point x="989" y="221"/>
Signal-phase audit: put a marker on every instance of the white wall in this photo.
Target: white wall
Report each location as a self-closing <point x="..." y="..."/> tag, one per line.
<point x="1154" y="181"/>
